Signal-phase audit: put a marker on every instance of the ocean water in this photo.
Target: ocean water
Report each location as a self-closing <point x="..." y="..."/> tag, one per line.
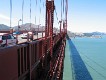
<point x="87" y="59"/>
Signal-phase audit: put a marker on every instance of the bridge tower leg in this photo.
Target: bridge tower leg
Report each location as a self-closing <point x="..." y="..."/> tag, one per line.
<point x="66" y="12"/>
<point x="49" y="21"/>
<point x="49" y="30"/>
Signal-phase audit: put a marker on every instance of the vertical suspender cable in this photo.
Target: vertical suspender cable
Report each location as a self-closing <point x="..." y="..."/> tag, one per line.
<point x="43" y="9"/>
<point x="43" y="17"/>
<point x="56" y="15"/>
<point x="30" y="14"/>
<point x="43" y="4"/>
<point x="10" y="12"/>
<point x="63" y="6"/>
<point x="36" y="2"/>
<point x="35" y="11"/>
<point x="39" y="16"/>
<point x="61" y="16"/>
<point x="61" y="9"/>
<point x="28" y="40"/>
<point x="40" y="12"/>
<point x="22" y="10"/>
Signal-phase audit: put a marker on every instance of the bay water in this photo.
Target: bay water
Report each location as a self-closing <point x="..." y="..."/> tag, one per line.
<point x="92" y="52"/>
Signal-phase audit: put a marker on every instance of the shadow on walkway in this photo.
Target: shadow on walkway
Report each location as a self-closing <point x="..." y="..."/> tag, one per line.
<point x="80" y="71"/>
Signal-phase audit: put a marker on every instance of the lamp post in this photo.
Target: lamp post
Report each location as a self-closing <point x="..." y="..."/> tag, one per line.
<point x="18" y="29"/>
<point x="42" y="31"/>
<point x="60" y="26"/>
<point x="18" y="23"/>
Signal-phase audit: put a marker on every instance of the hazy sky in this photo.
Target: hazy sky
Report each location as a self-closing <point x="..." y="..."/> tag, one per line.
<point x="83" y="15"/>
<point x="87" y="15"/>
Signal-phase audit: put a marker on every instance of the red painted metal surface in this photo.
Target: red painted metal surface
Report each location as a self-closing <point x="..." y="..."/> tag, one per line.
<point x="49" y="22"/>
<point x="49" y="28"/>
<point x="28" y="62"/>
<point x="66" y="12"/>
<point x="8" y="64"/>
<point x="40" y="59"/>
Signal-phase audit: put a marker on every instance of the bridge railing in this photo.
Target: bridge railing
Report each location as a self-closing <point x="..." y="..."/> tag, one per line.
<point x="9" y="63"/>
<point x="25" y="60"/>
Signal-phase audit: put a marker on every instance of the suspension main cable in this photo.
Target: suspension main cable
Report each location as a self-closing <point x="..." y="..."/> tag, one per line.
<point x="10" y="13"/>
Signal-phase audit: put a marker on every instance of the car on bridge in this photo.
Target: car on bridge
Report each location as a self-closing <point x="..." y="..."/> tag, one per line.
<point x="27" y="35"/>
<point x="7" y="39"/>
<point x="24" y="36"/>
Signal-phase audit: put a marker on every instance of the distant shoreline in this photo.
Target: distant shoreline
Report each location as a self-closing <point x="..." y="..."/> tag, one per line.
<point x="94" y="36"/>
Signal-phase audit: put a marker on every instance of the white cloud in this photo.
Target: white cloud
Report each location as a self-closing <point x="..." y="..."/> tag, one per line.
<point x="4" y="17"/>
<point x="6" y="20"/>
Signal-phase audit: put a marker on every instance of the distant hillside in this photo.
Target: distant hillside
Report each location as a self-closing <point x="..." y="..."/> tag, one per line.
<point x="4" y="27"/>
<point x="98" y="33"/>
<point x="28" y="27"/>
<point x="71" y="34"/>
<point x="33" y="27"/>
<point x="94" y="33"/>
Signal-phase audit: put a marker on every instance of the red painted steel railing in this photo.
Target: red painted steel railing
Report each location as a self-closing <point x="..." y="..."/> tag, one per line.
<point x="28" y="61"/>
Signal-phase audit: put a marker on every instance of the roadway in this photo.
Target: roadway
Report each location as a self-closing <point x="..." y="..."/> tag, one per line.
<point x="20" y="40"/>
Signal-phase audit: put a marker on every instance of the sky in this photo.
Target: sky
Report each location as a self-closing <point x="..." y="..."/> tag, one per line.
<point x="83" y="15"/>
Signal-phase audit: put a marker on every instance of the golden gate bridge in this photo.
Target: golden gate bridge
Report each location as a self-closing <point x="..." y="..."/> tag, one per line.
<point x="39" y="59"/>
